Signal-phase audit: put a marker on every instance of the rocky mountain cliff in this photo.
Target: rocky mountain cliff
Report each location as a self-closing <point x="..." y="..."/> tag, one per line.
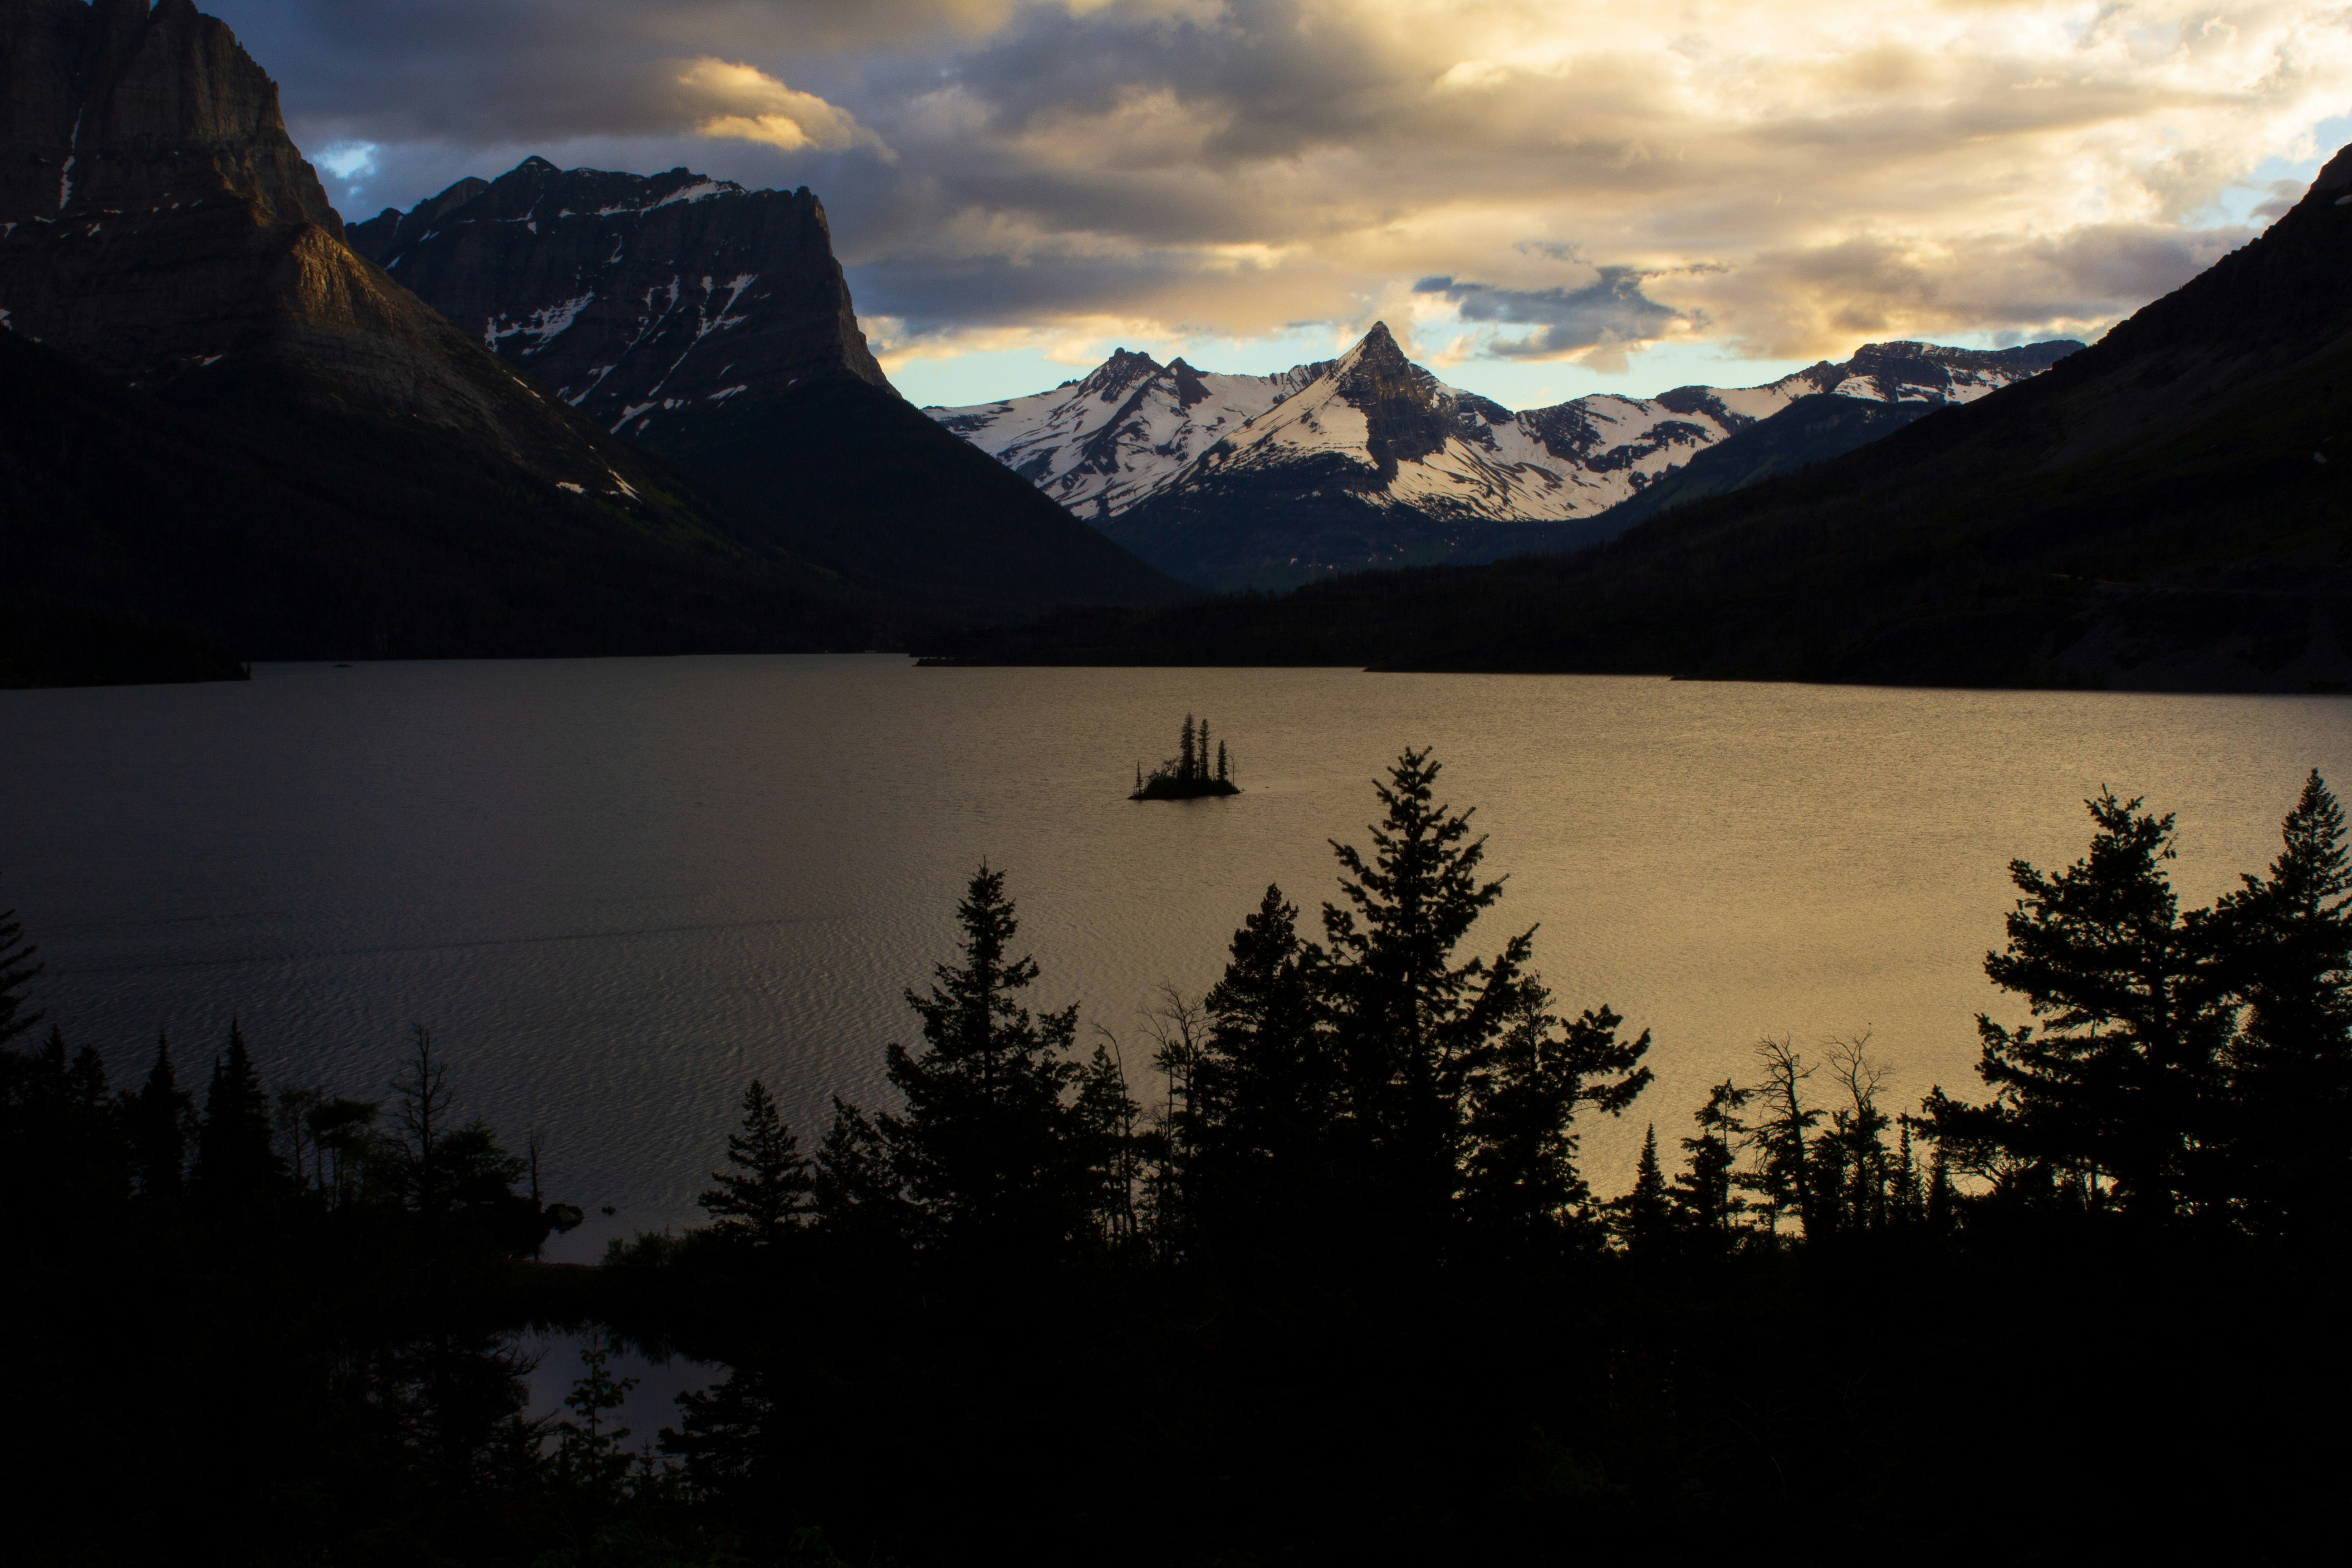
<point x="712" y="325"/>
<point x="639" y="298"/>
<point x="1369" y="460"/>
<point x="409" y="493"/>
<point x="2168" y="509"/>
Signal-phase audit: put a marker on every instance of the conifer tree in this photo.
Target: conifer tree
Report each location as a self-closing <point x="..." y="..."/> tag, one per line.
<point x="1262" y="1099"/>
<point x="1706" y="1191"/>
<point x="1224" y="766"/>
<point x="1519" y="1188"/>
<point x="1644" y="1216"/>
<point x="2111" y="1098"/>
<point x="1906" y="1198"/>
<point x="158" y="1119"/>
<point x="1201" y="753"/>
<point x="858" y="1200"/>
<point x="235" y="1164"/>
<point x="765" y="1195"/>
<point x="1412" y="1020"/>
<point x="987" y="1150"/>
<point x="1184" y="755"/>
<point x="2285" y="943"/>
<point x="1108" y="1122"/>
<point x="17" y="970"/>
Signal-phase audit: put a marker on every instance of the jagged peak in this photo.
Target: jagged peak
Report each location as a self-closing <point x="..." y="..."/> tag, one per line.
<point x="1111" y="379"/>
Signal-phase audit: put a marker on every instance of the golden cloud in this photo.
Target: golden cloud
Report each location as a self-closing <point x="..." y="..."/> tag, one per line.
<point x="740" y="102"/>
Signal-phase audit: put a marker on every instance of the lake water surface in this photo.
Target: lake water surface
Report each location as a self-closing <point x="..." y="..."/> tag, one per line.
<point x="616" y="890"/>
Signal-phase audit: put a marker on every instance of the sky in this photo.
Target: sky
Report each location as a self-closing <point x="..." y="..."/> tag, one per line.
<point x="1542" y="198"/>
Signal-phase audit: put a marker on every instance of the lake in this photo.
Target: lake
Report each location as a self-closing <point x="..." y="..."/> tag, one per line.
<point x="617" y="889"/>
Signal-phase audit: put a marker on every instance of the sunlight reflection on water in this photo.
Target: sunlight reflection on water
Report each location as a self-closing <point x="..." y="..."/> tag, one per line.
<point x="617" y="888"/>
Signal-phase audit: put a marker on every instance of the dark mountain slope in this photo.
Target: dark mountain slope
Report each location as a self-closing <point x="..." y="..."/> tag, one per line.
<point x="1813" y="429"/>
<point x="861" y="482"/>
<point x="2169" y="508"/>
<point x="712" y="325"/>
<point x="143" y="539"/>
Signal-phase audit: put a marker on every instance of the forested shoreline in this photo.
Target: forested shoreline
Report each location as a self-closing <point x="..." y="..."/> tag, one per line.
<point x="1326" y="1283"/>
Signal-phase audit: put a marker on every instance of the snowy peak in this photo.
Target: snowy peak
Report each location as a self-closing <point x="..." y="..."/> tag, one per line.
<point x="1104" y="442"/>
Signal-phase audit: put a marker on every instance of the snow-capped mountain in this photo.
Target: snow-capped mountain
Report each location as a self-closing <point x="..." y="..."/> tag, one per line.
<point x="1104" y="443"/>
<point x="1239" y="480"/>
<point x="643" y="301"/>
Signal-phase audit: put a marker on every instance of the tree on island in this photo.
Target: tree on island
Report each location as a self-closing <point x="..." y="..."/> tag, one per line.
<point x="1194" y="772"/>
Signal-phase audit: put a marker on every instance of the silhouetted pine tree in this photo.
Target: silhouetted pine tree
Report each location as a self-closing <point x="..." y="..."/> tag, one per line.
<point x="1111" y="1147"/>
<point x="1412" y="1021"/>
<point x="1705" y="1191"/>
<point x="17" y="971"/>
<point x="987" y="1150"/>
<point x="158" y="1119"/>
<point x="1644" y="1218"/>
<point x="235" y="1164"/>
<point x="1201" y="753"/>
<point x="2112" y="1098"/>
<point x="1906" y="1205"/>
<point x="859" y="1201"/>
<point x="1520" y="1191"/>
<point x="2285" y="943"/>
<point x="1184" y="753"/>
<point x="768" y="1191"/>
<point x="1263" y="1099"/>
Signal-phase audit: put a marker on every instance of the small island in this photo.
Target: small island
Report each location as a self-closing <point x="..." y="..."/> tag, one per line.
<point x="1189" y="774"/>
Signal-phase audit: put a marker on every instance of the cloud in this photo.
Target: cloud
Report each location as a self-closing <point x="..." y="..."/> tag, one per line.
<point x="1607" y="314"/>
<point x="1585" y="175"/>
<point x="726" y="99"/>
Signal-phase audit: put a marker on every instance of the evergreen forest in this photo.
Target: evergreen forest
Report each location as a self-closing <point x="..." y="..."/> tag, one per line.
<point x="1309" y="1270"/>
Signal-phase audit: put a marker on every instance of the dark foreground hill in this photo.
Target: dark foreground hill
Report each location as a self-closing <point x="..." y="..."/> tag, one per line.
<point x="2168" y="510"/>
<point x="146" y="542"/>
<point x="712" y="325"/>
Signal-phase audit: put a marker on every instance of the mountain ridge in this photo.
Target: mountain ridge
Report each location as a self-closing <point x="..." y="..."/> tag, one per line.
<point x="1291" y="479"/>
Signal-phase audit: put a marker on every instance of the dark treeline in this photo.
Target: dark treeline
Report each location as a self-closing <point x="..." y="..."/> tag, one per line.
<point x="1339" y="1290"/>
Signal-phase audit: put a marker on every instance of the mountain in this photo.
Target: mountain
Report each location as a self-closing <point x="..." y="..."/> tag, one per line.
<point x="677" y="290"/>
<point x="1813" y="429"/>
<point x="712" y="325"/>
<point x="338" y="469"/>
<point x="1370" y="460"/>
<point x="1104" y="443"/>
<point x="2169" y="508"/>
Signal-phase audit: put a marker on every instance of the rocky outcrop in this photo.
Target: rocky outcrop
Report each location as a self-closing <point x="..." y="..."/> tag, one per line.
<point x="157" y="224"/>
<point x="643" y="300"/>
